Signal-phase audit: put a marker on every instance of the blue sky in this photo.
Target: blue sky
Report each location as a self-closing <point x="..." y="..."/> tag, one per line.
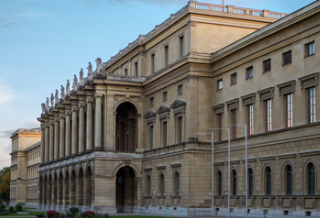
<point x="45" y="42"/>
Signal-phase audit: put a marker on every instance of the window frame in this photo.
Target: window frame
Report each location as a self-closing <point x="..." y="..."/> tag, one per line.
<point x="233" y="78"/>
<point x="309" y="51"/>
<point x="289" y="110"/>
<point x="268" y="181"/>
<point x="312" y="105"/>
<point x="181" y="44"/>
<point x="219" y="84"/>
<point x="268" y="114"/>
<point x="267" y="65"/>
<point x="153" y="63"/>
<point x="180" y="89"/>
<point x="165" y="96"/>
<point x="286" y="58"/>
<point x="311" y="179"/>
<point x="249" y="72"/>
<point x="250" y="119"/>
<point x="166" y="55"/>
<point x="250" y="182"/>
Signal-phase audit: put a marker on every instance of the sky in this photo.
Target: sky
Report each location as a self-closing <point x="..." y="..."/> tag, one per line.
<point x="45" y="42"/>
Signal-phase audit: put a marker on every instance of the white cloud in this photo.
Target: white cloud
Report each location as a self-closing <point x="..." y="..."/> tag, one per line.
<point x="5" y="148"/>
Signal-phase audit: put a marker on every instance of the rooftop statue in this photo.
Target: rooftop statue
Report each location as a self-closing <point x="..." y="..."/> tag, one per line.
<point x="75" y="82"/>
<point x="62" y="94"/>
<point x="52" y="100"/>
<point x="89" y="71"/>
<point x="47" y="104"/>
<point x="44" y="109"/>
<point x="57" y="97"/>
<point x="81" y="74"/>
<point x="99" y="65"/>
<point x="68" y="87"/>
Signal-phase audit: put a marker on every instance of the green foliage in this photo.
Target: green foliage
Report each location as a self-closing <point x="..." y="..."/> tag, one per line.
<point x="2" y="207"/>
<point x="4" y="172"/>
<point x="11" y="209"/>
<point x="3" y="213"/>
<point x="74" y="210"/>
<point x="18" y="207"/>
<point x="5" y="186"/>
<point x="40" y="215"/>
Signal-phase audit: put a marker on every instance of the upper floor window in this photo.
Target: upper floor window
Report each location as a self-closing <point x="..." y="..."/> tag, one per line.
<point x="310" y="49"/>
<point x="151" y="131"/>
<point x="233" y="78"/>
<point x="289" y="110"/>
<point x="161" y="187"/>
<point x="312" y="105"/>
<point x="250" y="119"/>
<point x="153" y="63"/>
<point x="288" y="179"/>
<point x="126" y="72"/>
<point x="220" y="84"/>
<point x="219" y="178"/>
<point x="181" y="42"/>
<point x="165" y="96"/>
<point x="164" y="133"/>
<point x="233" y="128"/>
<point x="176" y="184"/>
<point x="249" y="72"/>
<point x="267" y="65"/>
<point x="310" y="179"/>
<point x="234" y="182"/>
<point x="286" y="58"/>
<point x="180" y="89"/>
<point x="268" y="105"/>
<point x="268" y="180"/>
<point x="179" y="129"/>
<point x="151" y="102"/>
<point x="250" y="182"/>
<point x="219" y="126"/>
<point x="166" y="55"/>
<point x="136" y="72"/>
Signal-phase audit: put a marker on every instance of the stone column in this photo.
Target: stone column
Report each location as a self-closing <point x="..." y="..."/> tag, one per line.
<point x="89" y="146"/>
<point x="98" y="123"/>
<point x="81" y="128"/>
<point x="74" y="139"/>
<point x="43" y="144"/>
<point x="56" y="139"/>
<point x="51" y="142"/>
<point x="79" y="192"/>
<point x="87" y="189"/>
<point x="62" y="138"/>
<point x="68" y="134"/>
<point x="46" y="144"/>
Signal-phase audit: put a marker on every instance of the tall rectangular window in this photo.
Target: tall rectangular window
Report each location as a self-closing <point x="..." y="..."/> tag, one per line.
<point x="249" y="72"/>
<point x="286" y="58"/>
<point x="126" y="72"/>
<point x="179" y="129"/>
<point x="180" y="90"/>
<point x="165" y="96"/>
<point x="166" y="55"/>
<point x="250" y="119"/>
<point x="219" y="126"/>
<point x="312" y="104"/>
<point x="164" y="133"/>
<point x="136" y="73"/>
<point x="289" y="110"/>
<point x="310" y="49"/>
<point x="151" y="136"/>
<point x="268" y="115"/>
<point x="233" y="78"/>
<point x="151" y="102"/>
<point x="234" y="123"/>
<point x="220" y="84"/>
<point x="153" y="63"/>
<point x="267" y="65"/>
<point x="181" y="42"/>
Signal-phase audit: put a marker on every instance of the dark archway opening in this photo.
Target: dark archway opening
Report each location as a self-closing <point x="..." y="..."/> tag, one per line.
<point x="126" y="128"/>
<point x="125" y="190"/>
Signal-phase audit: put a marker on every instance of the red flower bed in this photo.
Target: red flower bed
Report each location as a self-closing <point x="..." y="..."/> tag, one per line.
<point x="88" y="212"/>
<point x="52" y="213"/>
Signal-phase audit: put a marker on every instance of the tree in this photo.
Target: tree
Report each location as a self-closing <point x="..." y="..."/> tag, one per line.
<point x="5" y="187"/>
<point x="4" y="172"/>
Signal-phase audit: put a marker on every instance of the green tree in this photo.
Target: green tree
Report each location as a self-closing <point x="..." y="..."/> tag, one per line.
<point x="4" y="172"/>
<point x="5" y="187"/>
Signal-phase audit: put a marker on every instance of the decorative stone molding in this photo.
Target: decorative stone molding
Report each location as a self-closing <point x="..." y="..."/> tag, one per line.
<point x="310" y="80"/>
<point x="233" y="104"/>
<point x="178" y="106"/>
<point x="248" y="99"/>
<point x="266" y="93"/>
<point x="218" y="109"/>
<point x="150" y="117"/>
<point x="287" y="87"/>
<point x="163" y="111"/>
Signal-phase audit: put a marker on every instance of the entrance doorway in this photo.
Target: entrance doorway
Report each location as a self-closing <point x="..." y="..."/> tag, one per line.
<point x="125" y="190"/>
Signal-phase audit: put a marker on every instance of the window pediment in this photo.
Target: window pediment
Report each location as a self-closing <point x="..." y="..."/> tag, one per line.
<point x="163" y="112"/>
<point x="178" y="106"/>
<point x="287" y="87"/>
<point x="310" y="80"/>
<point x="266" y="93"/>
<point x="150" y="114"/>
<point x="233" y="104"/>
<point x="218" y="109"/>
<point x="248" y="99"/>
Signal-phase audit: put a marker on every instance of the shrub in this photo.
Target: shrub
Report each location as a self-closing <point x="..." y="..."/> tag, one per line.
<point x="106" y="216"/>
<point x="88" y="212"/>
<point x="40" y="215"/>
<point x="74" y="210"/>
<point x="4" y="212"/>
<point x="62" y="216"/>
<point x="11" y="209"/>
<point x="2" y="207"/>
<point x="52" y="214"/>
<point x="18" y="207"/>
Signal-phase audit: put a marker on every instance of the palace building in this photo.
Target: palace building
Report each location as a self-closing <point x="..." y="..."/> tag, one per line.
<point x="25" y="161"/>
<point x="134" y="135"/>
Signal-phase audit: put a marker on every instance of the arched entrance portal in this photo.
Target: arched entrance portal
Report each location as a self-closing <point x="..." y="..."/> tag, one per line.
<point x="125" y="190"/>
<point x="126" y="127"/>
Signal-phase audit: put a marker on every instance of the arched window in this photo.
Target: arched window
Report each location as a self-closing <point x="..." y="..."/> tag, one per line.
<point x="161" y="185"/>
<point x="311" y="179"/>
<point x="149" y="185"/>
<point x="234" y="182"/>
<point x="288" y="179"/>
<point x="268" y="180"/>
<point x="219" y="177"/>
<point x="250" y="182"/>
<point x="176" y="184"/>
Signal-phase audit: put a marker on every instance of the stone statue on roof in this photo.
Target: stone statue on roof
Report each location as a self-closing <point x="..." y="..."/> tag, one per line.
<point x="68" y="87"/>
<point x="47" y="104"/>
<point x="56" y="97"/>
<point x="89" y="68"/>
<point x="81" y="74"/>
<point x="52" y="100"/>
<point x="99" y="65"/>
<point x="44" y="109"/>
<point x="75" y="82"/>
<point x="62" y="94"/>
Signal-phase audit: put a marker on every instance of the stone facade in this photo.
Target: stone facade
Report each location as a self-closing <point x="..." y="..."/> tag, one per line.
<point x="25" y="161"/>
<point x="129" y="137"/>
